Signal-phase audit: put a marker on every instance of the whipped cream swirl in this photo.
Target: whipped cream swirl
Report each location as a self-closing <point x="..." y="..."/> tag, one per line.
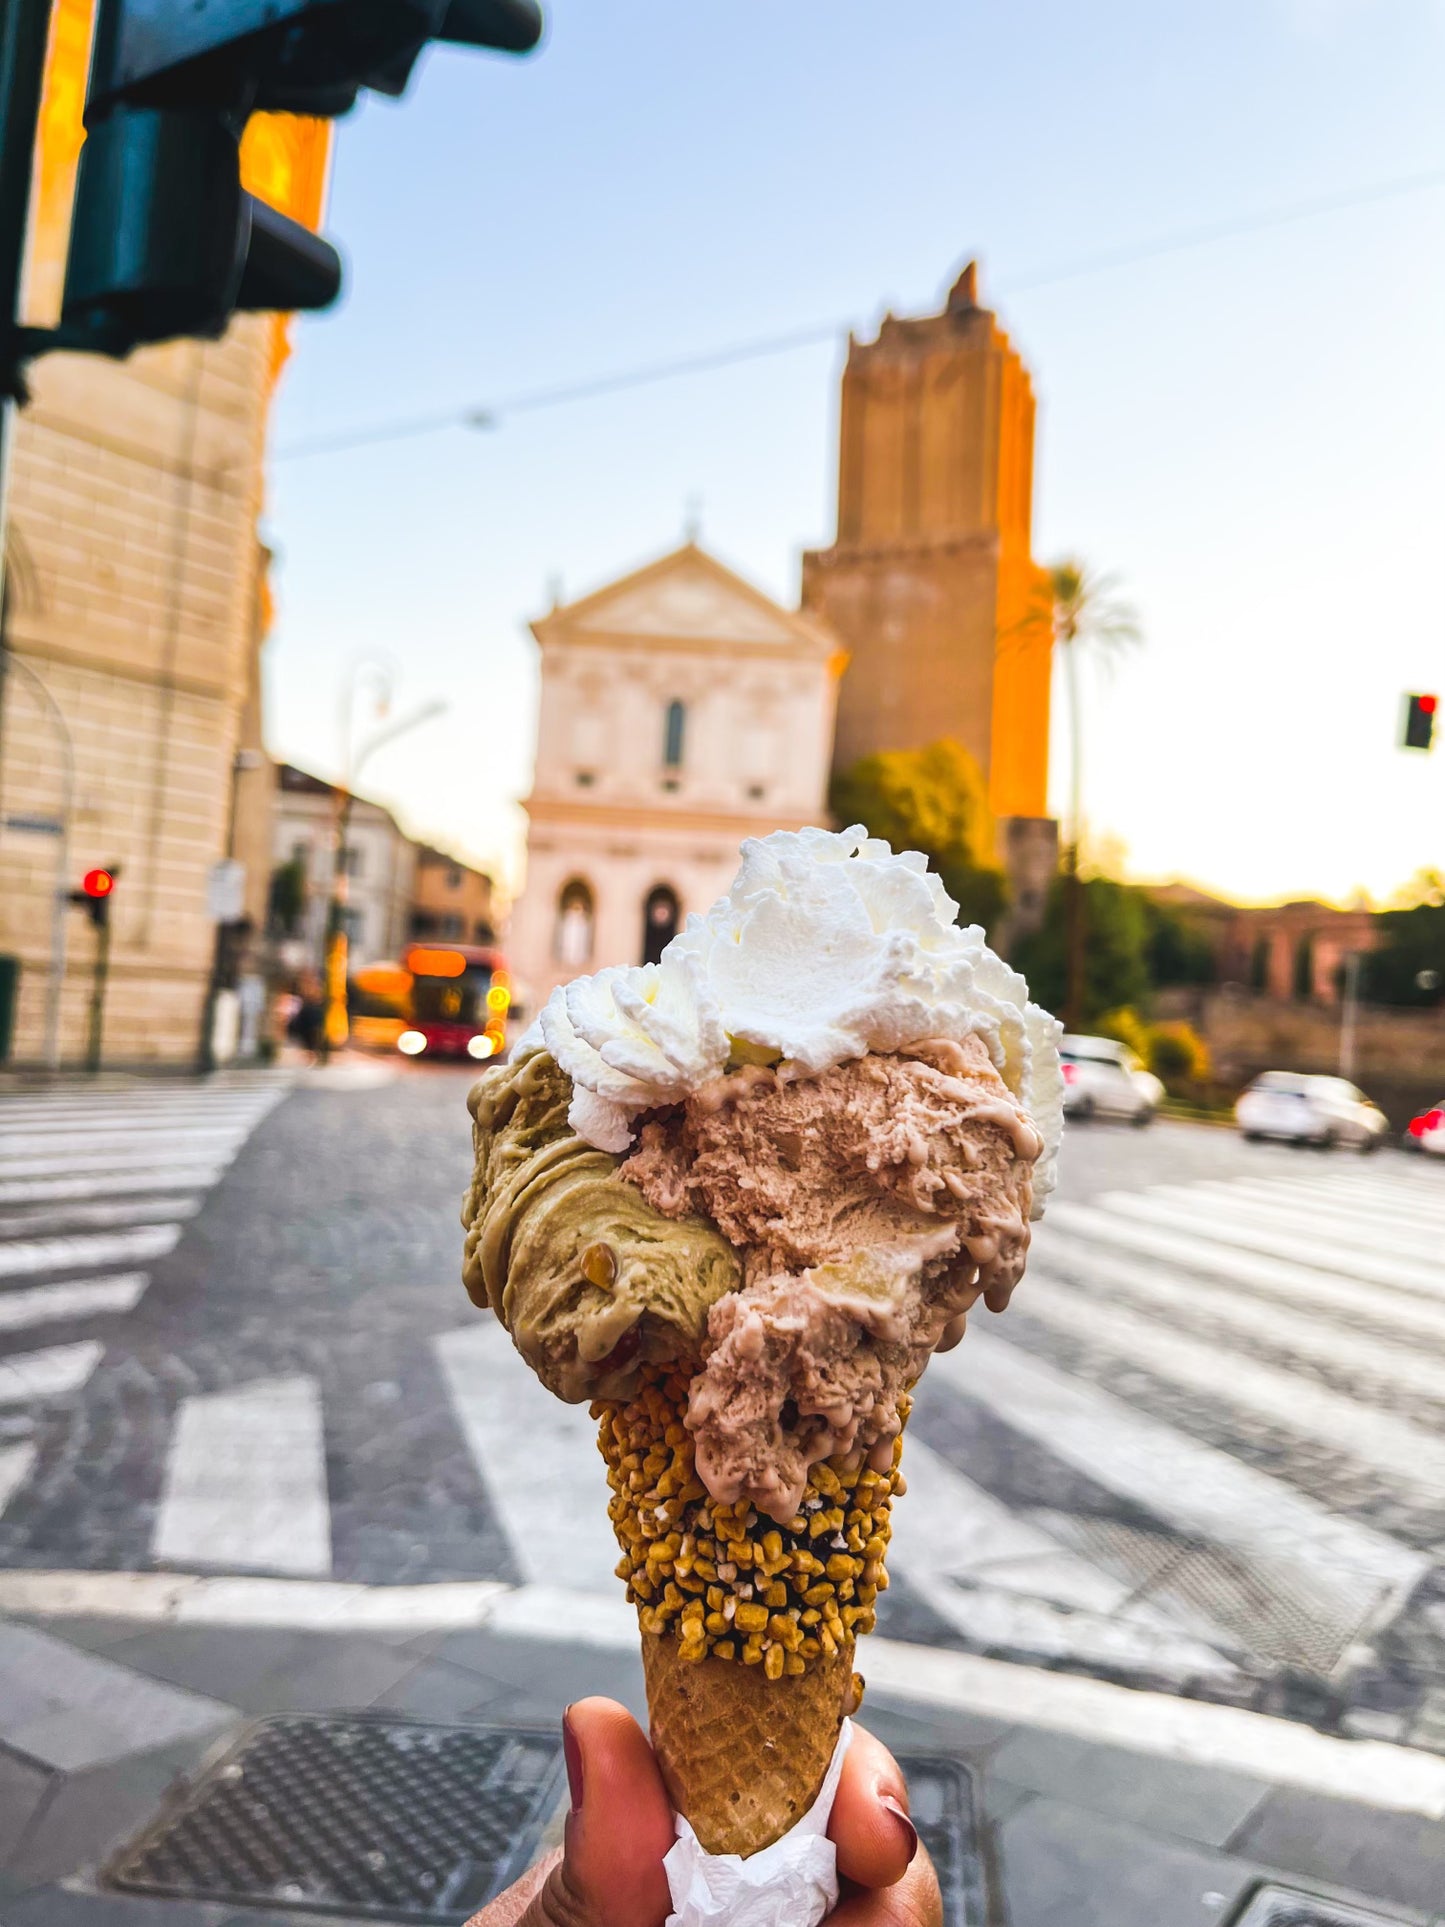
<point x="828" y="945"/>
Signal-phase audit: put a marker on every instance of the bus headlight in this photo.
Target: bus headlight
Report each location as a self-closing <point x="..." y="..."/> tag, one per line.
<point x="411" y="1043"/>
<point x="483" y="1046"/>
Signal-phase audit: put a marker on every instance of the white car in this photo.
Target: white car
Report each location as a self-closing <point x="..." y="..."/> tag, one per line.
<point x="1311" y="1110"/>
<point x="1427" y="1131"/>
<point x="1103" y="1078"/>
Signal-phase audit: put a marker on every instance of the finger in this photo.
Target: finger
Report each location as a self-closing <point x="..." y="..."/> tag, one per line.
<point x="620" y="1826"/>
<point x="914" y="1901"/>
<point x="870" y="1825"/>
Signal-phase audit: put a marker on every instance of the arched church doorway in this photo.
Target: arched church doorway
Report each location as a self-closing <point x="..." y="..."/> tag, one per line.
<point x="572" y="940"/>
<point x="660" y="919"/>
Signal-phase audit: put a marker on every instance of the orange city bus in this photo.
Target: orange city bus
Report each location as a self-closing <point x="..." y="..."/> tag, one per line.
<point x="460" y="995"/>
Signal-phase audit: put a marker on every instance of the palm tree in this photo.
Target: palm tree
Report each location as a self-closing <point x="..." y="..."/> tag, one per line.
<point x="1086" y="612"/>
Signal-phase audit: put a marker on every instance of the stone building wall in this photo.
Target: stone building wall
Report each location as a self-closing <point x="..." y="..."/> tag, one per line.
<point x="1399" y="1054"/>
<point x="134" y="576"/>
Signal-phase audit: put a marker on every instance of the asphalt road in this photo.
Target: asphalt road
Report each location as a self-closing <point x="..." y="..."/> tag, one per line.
<point x="1202" y="1452"/>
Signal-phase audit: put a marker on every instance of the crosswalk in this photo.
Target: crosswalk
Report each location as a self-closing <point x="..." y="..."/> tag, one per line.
<point x="1204" y="1450"/>
<point x="95" y="1185"/>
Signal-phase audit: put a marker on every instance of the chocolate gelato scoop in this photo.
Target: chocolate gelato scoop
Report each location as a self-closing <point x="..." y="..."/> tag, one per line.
<point x="591" y="1280"/>
<point x="873" y="1203"/>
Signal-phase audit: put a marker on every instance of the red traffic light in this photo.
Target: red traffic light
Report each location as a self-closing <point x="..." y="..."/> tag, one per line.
<point x="1426" y="704"/>
<point x="97" y="883"/>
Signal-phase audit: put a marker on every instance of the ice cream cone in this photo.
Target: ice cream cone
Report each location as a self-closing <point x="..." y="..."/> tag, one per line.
<point x="748" y="1626"/>
<point x="742" y="1755"/>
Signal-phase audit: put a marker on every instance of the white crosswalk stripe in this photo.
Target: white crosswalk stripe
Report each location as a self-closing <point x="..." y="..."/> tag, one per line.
<point x="536" y="1456"/>
<point x="1349" y="1226"/>
<point x="245" y="1482"/>
<point x="20" y="1257"/>
<point x="94" y="1185"/>
<point x="25" y="1221"/>
<point x="1412" y="1457"/>
<point x="50" y="1304"/>
<point x="52" y="1372"/>
<point x="1198" y="1251"/>
<point x="1298" y="1241"/>
<point x="188" y="1174"/>
<point x="1413" y="1362"/>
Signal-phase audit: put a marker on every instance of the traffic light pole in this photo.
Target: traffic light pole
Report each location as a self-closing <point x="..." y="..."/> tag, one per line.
<point x="24" y="27"/>
<point x="97" y="995"/>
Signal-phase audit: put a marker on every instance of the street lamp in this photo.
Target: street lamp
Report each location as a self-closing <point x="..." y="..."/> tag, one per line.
<point x="334" y="1028"/>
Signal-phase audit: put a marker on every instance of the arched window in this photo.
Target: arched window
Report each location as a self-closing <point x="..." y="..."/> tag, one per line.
<point x="660" y="919"/>
<point x="572" y="939"/>
<point x="674" y="725"/>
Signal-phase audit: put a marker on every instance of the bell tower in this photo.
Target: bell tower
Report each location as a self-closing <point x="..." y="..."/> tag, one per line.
<point x="931" y="585"/>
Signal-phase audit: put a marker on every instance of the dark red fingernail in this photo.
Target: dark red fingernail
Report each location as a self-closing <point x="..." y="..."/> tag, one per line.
<point x="572" y="1753"/>
<point x="900" y="1814"/>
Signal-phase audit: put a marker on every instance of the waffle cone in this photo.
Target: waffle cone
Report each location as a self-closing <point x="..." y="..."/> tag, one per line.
<point x="742" y="1756"/>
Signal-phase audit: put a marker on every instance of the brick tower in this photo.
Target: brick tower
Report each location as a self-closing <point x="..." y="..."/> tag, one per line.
<point x="931" y="585"/>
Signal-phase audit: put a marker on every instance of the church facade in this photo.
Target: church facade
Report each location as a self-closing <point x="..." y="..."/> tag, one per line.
<point x="681" y="711"/>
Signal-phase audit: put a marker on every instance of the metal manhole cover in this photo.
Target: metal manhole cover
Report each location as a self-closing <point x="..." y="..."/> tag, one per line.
<point x="409" y="1822"/>
<point x="1273" y="1906"/>
<point x="377" y="1819"/>
<point x="942" y="1799"/>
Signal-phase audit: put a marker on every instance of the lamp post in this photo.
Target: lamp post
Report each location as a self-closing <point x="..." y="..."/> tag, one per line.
<point x="334" y="1027"/>
<point x="1349" y="1014"/>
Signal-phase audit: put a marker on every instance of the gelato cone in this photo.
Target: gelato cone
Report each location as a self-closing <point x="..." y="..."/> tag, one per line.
<point x="748" y="1628"/>
<point x="736" y="1200"/>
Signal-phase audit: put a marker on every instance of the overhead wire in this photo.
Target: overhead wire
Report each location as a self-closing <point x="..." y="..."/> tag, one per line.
<point x="489" y="414"/>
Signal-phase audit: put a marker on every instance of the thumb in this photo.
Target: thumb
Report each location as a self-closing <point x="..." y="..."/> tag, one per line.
<point x="620" y="1826"/>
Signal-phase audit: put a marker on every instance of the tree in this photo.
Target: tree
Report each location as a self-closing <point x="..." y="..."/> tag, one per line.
<point x="1086" y="613"/>
<point x="1177" y="951"/>
<point x="934" y="800"/>
<point x="1116" y="969"/>
<point x="1408" y="966"/>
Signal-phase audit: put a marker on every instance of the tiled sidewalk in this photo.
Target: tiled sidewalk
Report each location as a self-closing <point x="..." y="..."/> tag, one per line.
<point x="97" y="1717"/>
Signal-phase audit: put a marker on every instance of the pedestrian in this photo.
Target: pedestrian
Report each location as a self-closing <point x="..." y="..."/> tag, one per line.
<point x="306" y="1024"/>
<point x="609" y="1872"/>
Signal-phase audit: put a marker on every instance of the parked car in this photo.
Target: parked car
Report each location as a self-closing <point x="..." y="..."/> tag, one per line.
<point x="1310" y="1110"/>
<point x="1103" y="1078"/>
<point x="1427" y="1131"/>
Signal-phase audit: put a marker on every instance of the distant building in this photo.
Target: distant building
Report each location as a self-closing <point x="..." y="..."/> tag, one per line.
<point x="379" y="859"/>
<point x="931" y="584"/>
<point x="681" y="711"/>
<point x="1288" y="951"/>
<point x="451" y="901"/>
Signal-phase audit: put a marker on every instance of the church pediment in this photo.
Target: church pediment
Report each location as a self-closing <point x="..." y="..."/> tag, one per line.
<point x="686" y="597"/>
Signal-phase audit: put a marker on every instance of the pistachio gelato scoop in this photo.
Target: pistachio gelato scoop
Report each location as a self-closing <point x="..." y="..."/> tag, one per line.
<point x="592" y="1282"/>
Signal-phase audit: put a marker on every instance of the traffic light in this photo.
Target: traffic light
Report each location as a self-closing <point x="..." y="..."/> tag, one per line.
<point x="97" y="887"/>
<point x="1420" y="721"/>
<point x="164" y="240"/>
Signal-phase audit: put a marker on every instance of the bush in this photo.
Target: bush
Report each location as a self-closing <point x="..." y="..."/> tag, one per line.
<point x="1178" y="1057"/>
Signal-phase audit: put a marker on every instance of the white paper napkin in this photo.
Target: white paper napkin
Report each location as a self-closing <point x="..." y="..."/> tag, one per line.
<point x="792" y="1883"/>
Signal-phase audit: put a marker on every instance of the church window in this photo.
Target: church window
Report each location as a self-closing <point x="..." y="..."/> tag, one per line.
<point x="572" y="941"/>
<point x="674" y="724"/>
<point x="660" y="918"/>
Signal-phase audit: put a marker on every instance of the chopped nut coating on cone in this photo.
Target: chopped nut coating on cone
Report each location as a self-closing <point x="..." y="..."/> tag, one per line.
<point x="722" y="1580"/>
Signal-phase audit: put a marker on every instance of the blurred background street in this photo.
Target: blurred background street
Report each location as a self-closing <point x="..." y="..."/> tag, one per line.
<point x="1202" y="1452"/>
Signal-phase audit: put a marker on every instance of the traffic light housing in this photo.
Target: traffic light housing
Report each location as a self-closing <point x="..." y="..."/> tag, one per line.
<point x="1420" y="721"/>
<point x="97" y="887"/>
<point x="164" y="239"/>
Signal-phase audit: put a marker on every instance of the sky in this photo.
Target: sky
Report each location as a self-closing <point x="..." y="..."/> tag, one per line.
<point x="1249" y="433"/>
